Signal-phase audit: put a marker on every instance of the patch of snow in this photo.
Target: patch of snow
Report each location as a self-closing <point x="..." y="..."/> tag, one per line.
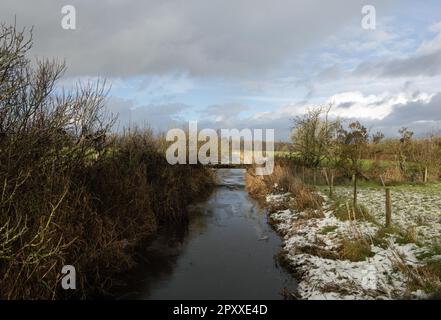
<point x="325" y="276"/>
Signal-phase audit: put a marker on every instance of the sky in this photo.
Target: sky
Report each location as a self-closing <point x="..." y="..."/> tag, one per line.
<point x="248" y="63"/>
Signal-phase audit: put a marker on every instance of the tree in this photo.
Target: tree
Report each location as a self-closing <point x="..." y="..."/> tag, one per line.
<point x="351" y="144"/>
<point x="376" y="140"/>
<point x="314" y="137"/>
<point x="424" y="154"/>
<point x="404" y="148"/>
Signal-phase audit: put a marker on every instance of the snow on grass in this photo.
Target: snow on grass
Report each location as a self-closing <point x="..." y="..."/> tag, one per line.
<point x="313" y="244"/>
<point x="417" y="208"/>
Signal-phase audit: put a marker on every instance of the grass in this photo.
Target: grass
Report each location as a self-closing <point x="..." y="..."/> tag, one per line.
<point x="401" y="236"/>
<point x="344" y="210"/>
<point x="433" y="250"/>
<point x="282" y="180"/>
<point x="328" y="229"/>
<point x="319" y="252"/>
<point x="430" y="187"/>
<point x="381" y="237"/>
<point x="366" y="164"/>
<point x="355" y="250"/>
<point x="407" y="236"/>
<point x="426" y="277"/>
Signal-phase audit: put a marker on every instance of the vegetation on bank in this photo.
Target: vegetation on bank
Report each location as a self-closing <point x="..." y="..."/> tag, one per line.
<point x="334" y="243"/>
<point x="282" y="180"/>
<point x="72" y="193"/>
<point x="338" y="252"/>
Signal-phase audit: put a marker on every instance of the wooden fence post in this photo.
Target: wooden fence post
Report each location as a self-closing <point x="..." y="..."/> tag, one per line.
<point x="425" y="174"/>
<point x="388" y="208"/>
<point x="354" y="182"/>
<point x="331" y="189"/>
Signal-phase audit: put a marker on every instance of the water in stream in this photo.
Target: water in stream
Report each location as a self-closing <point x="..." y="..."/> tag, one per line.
<point x="228" y="251"/>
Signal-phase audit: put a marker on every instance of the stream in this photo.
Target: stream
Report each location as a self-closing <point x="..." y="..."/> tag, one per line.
<point x="227" y="251"/>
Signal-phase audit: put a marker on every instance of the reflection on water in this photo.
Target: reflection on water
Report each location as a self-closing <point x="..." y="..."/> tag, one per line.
<point x="226" y="252"/>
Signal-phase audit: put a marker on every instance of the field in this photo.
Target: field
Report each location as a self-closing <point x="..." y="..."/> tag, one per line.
<point x="341" y="258"/>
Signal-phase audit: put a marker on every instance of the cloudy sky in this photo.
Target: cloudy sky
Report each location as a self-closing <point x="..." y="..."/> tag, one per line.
<point x="249" y="63"/>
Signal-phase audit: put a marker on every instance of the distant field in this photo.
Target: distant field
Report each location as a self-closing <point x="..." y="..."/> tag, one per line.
<point x="366" y="164"/>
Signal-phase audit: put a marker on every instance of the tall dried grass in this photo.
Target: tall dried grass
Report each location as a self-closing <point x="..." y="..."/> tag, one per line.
<point x="282" y="180"/>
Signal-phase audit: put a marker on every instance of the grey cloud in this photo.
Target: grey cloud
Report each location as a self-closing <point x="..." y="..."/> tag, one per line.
<point x="345" y="105"/>
<point x="159" y="117"/>
<point x="218" y="37"/>
<point x="413" y="66"/>
<point x="428" y="65"/>
<point x="282" y="126"/>
<point x="330" y="73"/>
<point x="167" y="116"/>
<point x="224" y="113"/>
<point x="420" y="117"/>
<point x="415" y="111"/>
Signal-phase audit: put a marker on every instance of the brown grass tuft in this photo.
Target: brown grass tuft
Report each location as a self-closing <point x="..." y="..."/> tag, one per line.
<point x="283" y="180"/>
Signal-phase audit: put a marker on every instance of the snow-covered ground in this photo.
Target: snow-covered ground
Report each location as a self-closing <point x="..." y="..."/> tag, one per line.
<point x="413" y="207"/>
<point x="312" y="244"/>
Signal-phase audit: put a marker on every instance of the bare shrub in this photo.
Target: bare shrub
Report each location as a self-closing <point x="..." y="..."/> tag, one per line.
<point x="70" y="192"/>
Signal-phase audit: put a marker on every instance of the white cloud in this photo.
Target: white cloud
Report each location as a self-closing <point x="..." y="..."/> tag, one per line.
<point x="374" y="107"/>
<point x="433" y="45"/>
